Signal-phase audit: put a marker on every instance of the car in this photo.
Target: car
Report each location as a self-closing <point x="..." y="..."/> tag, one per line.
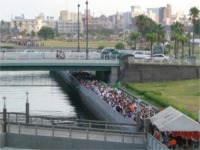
<point x="30" y="51"/>
<point x="140" y="55"/>
<point x="109" y="52"/>
<point x="160" y="58"/>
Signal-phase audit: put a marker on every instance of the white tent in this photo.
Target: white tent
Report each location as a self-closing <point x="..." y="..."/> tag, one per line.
<point x="171" y="119"/>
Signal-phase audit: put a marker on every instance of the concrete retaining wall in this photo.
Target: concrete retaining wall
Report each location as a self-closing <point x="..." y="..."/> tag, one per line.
<point x="156" y="73"/>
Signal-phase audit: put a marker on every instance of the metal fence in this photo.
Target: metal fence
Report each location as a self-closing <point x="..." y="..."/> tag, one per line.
<point x="13" y="117"/>
<point x="179" y="61"/>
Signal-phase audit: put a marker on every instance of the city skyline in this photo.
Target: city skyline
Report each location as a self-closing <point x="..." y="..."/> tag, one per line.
<point x="32" y="8"/>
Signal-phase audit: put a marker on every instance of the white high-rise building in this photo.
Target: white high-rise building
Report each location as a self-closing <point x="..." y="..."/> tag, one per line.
<point x="136" y="11"/>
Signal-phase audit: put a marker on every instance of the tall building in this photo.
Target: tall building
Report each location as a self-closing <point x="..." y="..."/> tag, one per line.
<point x="68" y="16"/>
<point x="127" y="20"/>
<point x="169" y="11"/>
<point x="165" y="15"/>
<point x="153" y="13"/>
<point x="27" y="24"/>
<point x="136" y="11"/>
<point x="162" y="14"/>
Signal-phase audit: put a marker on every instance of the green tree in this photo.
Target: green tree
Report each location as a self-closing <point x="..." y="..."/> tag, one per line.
<point x="100" y="48"/>
<point x="197" y="27"/>
<point x="183" y="40"/>
<point x="134" y="36"/>
<point x="46" y="33"/>
<point x="23" y="33"/>
<point x="159" y="29"/>
<point x="169" y="47"/>
<point x="194" y="13"/>
<point x="176" y="30"/>
<point x="141" y="23"/>
<point x="151" y="37"/>
<point x="33" y="34"/>
<point x="120" y="45"/>
<point x="150" y="27"/>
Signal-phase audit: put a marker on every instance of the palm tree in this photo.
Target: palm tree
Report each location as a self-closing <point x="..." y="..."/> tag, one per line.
<point x="141" y="23"/>
<point x="176" y="30"/>
<point x="152" y="37"/>
<point x="134" y="36"/>
<point x="159" y="29"/>
<point x="183" y="40"/>
<point x="169" y="47"/>
<point x="194" y="13"/>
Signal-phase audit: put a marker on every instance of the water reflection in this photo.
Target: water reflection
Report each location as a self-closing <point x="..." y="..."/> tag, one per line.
<point x="46" y="96"/>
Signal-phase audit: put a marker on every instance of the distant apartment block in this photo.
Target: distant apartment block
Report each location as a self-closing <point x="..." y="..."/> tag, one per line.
<point x="27" y="25"/>
<point x="68" y="27"/>
<point x="165" y="15"/>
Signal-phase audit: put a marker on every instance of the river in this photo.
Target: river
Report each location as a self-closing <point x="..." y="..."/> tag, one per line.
<point x="45" y="95"/>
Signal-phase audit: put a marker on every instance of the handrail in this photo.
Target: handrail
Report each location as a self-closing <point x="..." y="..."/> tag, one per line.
<point x="79" y="133"/>
<point x="77" y="128"/>
<point x="68" y="119"/>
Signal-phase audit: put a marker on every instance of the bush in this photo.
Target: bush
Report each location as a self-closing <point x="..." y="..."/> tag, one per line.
<point x="120" y="45"/>
<point x="100" y="47"/>
<point x="7" y="47"/>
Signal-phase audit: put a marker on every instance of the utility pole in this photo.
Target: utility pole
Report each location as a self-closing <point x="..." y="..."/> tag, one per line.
<point x="78" y="31"/>
<point x="86" y="30"/>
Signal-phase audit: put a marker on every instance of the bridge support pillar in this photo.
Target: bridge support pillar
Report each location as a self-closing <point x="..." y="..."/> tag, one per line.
<point x="114" y="75"/>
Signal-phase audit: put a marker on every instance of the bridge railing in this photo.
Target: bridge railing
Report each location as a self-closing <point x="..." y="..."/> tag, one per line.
<point x="153" y="143"/>
<point x="179" y="61"/>
<point x="106" y="135"/>
<point x="13" y="117"/>
<point x="49" y="55"/>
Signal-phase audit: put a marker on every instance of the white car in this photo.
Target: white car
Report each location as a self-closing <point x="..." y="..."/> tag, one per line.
<point x="140" y="55"/>
<point x="160" y="58"/>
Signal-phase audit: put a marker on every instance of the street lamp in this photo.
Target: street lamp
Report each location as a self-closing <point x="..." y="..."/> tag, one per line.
<point x="4" y="102"/>
<point x="86" y="29"/>
<point x="78" y="30"/>
<point x="26" y="97"/>
<point x="4" y="116"/>
<point x="27" y="109"/>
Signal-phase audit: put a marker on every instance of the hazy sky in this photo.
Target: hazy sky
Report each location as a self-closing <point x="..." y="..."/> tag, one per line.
<point x="32" y="8"/>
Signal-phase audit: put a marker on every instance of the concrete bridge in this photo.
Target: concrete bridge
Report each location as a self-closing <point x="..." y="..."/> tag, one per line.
<point x="106" y="70"/>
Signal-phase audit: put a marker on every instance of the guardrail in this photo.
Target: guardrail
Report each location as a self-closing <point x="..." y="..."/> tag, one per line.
<point x="153" y="143"/>
<point x="188" y="61"/>
<point x="50" y="55"/>
<point x="78" y="133"/>
<point x="47" y="55"/>
<point x="14" y="117"/>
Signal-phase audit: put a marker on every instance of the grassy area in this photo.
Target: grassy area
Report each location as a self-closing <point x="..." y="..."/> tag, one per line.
<point x="183" y="95"/>
<point x="75" y="44"/>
